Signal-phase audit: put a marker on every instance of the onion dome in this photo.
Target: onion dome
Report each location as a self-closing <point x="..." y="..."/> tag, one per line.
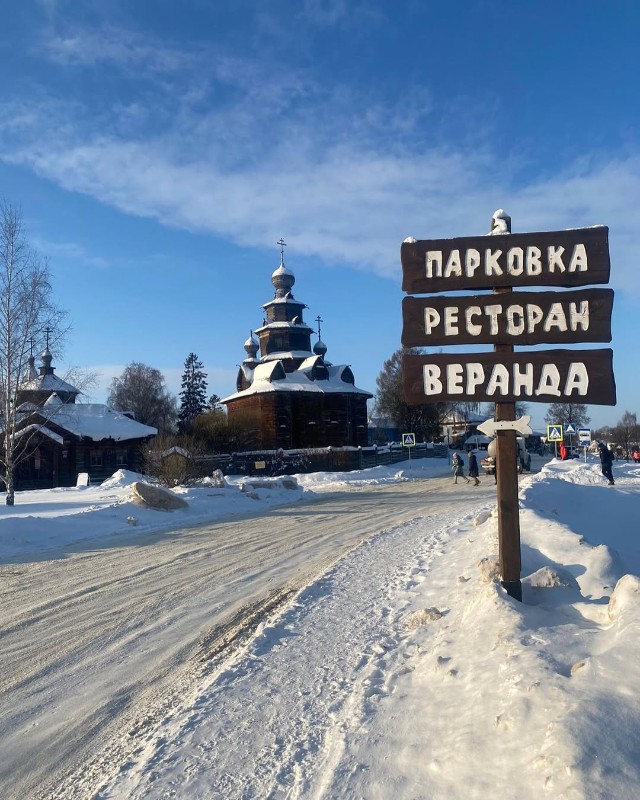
<point x="251" y="346"/>
<point x="283" y="280"/>
<point x="320" y="348"/>
<point x="31" y="369"/>
<point x="47" y="358"/>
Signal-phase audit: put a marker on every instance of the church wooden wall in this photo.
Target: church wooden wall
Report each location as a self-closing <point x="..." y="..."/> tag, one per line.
<point x="291" y="420"/>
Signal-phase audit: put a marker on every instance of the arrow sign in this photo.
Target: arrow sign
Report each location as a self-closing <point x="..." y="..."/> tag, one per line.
<point x="521" y="425"/>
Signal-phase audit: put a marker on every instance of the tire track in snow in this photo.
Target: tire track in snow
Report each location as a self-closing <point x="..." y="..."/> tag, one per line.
<point x="312" y="683"/>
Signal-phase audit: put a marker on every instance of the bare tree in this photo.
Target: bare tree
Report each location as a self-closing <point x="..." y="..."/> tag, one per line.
<point x="565" y="413"/>
<point x="141" y="390"/>
<point x="489" y="409"/>
<point x="84" y="380"/>
<point x="423" y="420"/>
<point x="625" y="434"/>
<point x="28" y="318"/>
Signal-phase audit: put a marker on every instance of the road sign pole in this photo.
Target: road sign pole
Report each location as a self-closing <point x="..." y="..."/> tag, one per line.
<point x="507" y="491"/>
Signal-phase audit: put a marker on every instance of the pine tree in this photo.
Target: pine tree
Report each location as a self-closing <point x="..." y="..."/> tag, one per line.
<point x="214" y="403"/>
<point x="193" y="397"/>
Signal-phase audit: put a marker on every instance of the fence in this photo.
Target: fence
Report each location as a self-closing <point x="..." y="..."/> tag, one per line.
<point x="326" y="459"/>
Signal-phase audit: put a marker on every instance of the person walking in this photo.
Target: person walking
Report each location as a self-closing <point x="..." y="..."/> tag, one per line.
<point x="473" y="468"/>
<point x="457" y="465"/>
<point x="606" y="461"/>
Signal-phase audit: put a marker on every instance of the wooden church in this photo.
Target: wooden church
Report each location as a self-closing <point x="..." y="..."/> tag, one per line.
<point x="292" y="395"/>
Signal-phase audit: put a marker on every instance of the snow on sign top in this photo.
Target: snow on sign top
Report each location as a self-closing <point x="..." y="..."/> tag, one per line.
<point x="577" y="257"/>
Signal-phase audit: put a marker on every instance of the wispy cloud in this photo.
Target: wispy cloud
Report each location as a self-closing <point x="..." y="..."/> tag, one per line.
<point x="70" y="251"/>
<point x="83" y="46"/>
<point x="247" y="148"/>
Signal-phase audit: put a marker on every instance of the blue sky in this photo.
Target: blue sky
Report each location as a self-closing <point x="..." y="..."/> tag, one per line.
<point x="159" y="150"/>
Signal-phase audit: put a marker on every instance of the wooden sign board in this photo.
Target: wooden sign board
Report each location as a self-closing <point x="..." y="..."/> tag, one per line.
<point x="519" y="318"/>
<point x="577" y="257"/>
<point x="549" y="376"/>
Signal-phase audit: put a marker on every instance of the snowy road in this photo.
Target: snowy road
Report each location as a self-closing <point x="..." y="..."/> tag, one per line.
<point x="98" y="645"/>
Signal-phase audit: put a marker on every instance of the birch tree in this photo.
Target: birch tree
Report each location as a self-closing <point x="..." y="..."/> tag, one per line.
<point x="141" y="390"/>
<point x="28" y="319"/>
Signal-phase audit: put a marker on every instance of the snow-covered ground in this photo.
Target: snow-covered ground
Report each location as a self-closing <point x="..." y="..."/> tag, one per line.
<point x="403" y="670"/>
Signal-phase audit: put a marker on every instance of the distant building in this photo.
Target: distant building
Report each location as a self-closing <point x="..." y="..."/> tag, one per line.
<point x="292" y="395"/>
<point x="66" y="438"/>
<point x="459" y="424"/>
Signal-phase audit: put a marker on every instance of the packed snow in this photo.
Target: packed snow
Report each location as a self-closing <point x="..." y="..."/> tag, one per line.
<point x="403" y="670"/>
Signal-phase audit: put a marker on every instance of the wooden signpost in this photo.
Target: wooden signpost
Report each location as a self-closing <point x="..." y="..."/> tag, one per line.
<point x="541" y="376"/>
<point x="578" y="257"/>
<point x="507" y="318"/>
<point x="528" y="318"/>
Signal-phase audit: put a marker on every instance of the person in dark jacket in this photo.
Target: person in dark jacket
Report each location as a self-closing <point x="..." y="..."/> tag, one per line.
<point x="473" y="468"/>
<point x="606" y="460"/>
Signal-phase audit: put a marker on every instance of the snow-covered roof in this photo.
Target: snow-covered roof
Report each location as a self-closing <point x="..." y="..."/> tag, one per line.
<point x="284" y="324"/>
<point x="457" y="417"/>
<point x="282" y="354"/>
<point x="267" y="378"/>
<point x="48" y="383"/>
<point x="478" y="439"/>
<point x="40" y="429"/>
<point x="248" y="370"/>
<point x="95" y="421"/>
<point x="269" y="371"/>
<point x="286" y="299"/>
<point x="309" y="363"/>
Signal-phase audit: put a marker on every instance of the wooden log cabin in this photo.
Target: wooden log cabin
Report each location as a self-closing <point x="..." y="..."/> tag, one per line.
<point x="292" y="395"/>
<point x="63" y="438"/>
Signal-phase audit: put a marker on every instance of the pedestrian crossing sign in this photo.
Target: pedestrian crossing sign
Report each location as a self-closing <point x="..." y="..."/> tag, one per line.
<point x="569" y="428"/>
<point x="408" y="440"/>
<point x="554" y="433"/>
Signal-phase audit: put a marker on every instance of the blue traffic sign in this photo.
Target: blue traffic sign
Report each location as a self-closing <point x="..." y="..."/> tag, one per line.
<point x="554" y="433"/>
<point x="584" y="435"/>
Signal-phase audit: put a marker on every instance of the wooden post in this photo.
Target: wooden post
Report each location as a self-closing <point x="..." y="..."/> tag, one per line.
<point x="507" y="487"/>
<point x="508" y="511"/>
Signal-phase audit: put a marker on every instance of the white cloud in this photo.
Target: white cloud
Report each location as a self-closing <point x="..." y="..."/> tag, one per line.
<point x="243" y="148"/>
<point x="343" y="203"/>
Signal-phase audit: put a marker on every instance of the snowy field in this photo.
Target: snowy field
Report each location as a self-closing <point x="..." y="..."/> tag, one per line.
<point x="403" y="670"/>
